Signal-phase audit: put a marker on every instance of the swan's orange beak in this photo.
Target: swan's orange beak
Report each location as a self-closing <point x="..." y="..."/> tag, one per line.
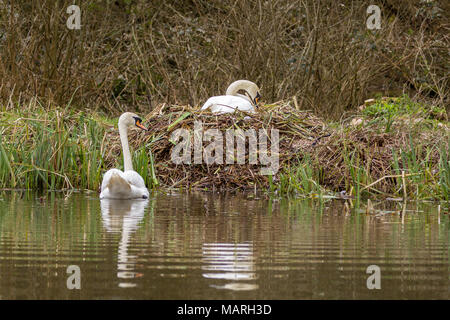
<point x="139" y="125"/>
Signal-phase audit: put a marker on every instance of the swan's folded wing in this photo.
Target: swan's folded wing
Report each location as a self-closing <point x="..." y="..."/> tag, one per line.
<point x="107" y="177"/>
<point x="208" y="103"/>
<point x="118" y="185"/>
<point x="123" y="185"/>
<point x="225" y="104"/>
<point x="137" y="184"/>
<point x="134" y="179"/>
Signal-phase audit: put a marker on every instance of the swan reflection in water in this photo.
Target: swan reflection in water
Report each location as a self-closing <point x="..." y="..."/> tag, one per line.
<point x="123" y="216"/>
<point x="230" y="261"/>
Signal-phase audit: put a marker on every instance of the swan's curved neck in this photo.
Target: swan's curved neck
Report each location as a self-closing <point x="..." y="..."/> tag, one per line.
<point x="123" y="132"/>
<point x="233" y="89"/>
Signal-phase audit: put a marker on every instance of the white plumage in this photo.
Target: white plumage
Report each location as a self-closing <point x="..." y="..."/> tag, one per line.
<point x="123" y="185"/>
<point x="228" y="104"/>
<point x="127" y="184"/>
<point x="233" y="100"/>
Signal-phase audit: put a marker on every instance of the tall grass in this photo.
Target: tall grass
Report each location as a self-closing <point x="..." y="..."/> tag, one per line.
<point x="144" y="164"/>
<point x="444" y="174"/>
<point x="53" y="151"/>
<point x="57" y="150"/>
<point x="300" y="180"/>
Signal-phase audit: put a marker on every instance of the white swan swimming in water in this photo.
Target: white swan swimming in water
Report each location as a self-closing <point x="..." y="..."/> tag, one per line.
<point x="127" y="184"/>
<point x="233" y="100"/>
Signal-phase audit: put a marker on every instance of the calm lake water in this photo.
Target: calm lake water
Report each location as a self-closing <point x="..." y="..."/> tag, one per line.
<point x="215" y="246"/>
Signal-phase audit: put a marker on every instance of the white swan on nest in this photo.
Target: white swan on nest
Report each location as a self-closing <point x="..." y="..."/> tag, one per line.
<point x="233" y="100"/>
<point x="127" y="184"/>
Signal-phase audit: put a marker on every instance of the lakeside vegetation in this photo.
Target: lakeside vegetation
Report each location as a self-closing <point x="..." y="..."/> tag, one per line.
<point x="392" y="148"/>
<point x="62" y="90"/>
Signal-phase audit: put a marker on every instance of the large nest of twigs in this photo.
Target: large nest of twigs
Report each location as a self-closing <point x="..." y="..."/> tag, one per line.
<point x="333" y="152"/>
<point x="299" y="132"/>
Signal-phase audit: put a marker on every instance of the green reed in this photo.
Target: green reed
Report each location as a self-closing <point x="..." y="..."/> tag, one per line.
<point x="144" y="164"/>
<point x="50" y="150"/>
<point x="301" y="179"/>
<point x="443" y="184"/>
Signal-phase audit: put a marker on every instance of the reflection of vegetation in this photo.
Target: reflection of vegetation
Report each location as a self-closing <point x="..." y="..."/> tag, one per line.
<point x="45" y="218"/>
<point x="294" y="242"/>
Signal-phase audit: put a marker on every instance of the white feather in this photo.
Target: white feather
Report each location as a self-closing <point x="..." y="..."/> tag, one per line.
<point x="228" y="104"/>
<point x="233" y="100"/>
<point x="117" y="184"/>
